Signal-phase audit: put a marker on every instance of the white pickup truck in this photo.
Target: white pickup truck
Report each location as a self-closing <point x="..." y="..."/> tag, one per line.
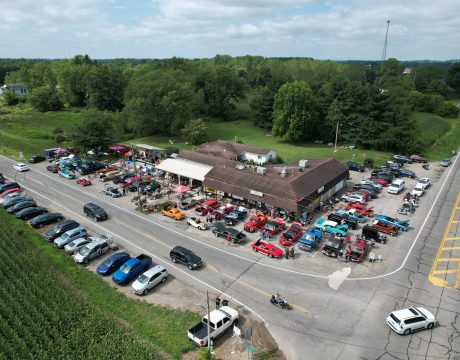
<point x="222" y="319"/>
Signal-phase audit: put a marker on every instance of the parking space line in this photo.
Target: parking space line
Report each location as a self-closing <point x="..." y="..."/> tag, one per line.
<point x="455" y="221"/>
<point x="443" y="282"/>
<point x="451" y="248"/>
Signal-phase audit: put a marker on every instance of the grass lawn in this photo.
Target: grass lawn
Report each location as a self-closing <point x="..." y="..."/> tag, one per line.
<point x="52" y="308"/>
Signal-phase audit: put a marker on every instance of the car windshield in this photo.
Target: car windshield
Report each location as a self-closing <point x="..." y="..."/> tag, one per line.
<point x="143" y="279"/>
<point x="72" y="244"/>
<point x="85" y="251"/>
<point x="357" y="249"/>
<point x="124" y="268"/>
<point x="333" y="244"/>
<point x="65" y="236"/>
<point x="395" y="319"/>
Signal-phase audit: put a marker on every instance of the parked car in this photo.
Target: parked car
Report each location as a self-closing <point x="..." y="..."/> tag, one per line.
<point x="267" y="249"/>
<point x="10" y="191"/>
<point x="153" y="186"/>
<point x="357" y="251"/>
<point x="197" y="223"/>
<point x="406" y="321"/>
<point x="75" y="245"/>
<point x="291" y="235"/>
<point x="9" y="202"/>
<point x="31" y="212"/>
<point x="402" y="159"/>
<point x="188" y="203"/>
<point x="206" y="207"/>
<point x="92" y="251"/>
<point x="11" y="185"/>
<point x="21" y="205"/>
<point x="361" y="209"/>
<point x="372" y="193"/>
<point x="331" y="227"/>
<point x="343" y="219"/>
<point x="21" y="167"/>
<point x="220" y="230"/>
<point x="113" y="192"/>
<point x="400" y="224"/>
<point x="332" y="246"/>
<point x="354" y="198"/>
<point x="390" y="171"/>
<point x="133" y="187"/>
<point x="396" y="186"/>
<point x="84" y="181"/>
<point x="379" y="181"/>
<point x="387" y="176"/>
<point x="418" y="190"/>
<point x="354" y="166"/>
<point x="184" y="256"/>
<point x="370" y="233"/>
<point x="112" y="263"/>
<point x="36" y="159"/>
<point x="255" y="222"/>
<point x="445" y="162"/>
<point x="53" y="168"/>
<point x="385" y="228"/>
<point x="407" y="173"/>
<point x="373" y="184"/>
<point x="60" y="229"/>
<point x="221" y="211"/>
<point x="69" y="236"/>
<point x="273" y="227"/>
<point x="9" y="196"/>
<point x="173" y="213"/>
<point x="310" y="239"/>
<point x="234" y="217"/>
<point x="95" y="211"/>
<point x="425" y="182"/>
<point x="149" y="280"/>
<point x="121" y="178"/>
<point x="351" y="214"/>
<point x="131" y="269"/>
<point x="418" y="159"/>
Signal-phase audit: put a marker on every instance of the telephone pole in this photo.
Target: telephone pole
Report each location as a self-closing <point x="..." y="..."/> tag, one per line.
<point x="384" y="54"/>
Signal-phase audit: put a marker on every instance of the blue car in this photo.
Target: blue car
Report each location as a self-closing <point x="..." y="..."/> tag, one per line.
<point x="399" y="224"/>
<point x="112" y="263"/>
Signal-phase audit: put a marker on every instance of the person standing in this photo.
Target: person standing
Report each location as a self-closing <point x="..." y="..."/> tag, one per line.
<point x="217" y="302"/>
<point x="292" y="253"/>
<point x="229" y="240"/>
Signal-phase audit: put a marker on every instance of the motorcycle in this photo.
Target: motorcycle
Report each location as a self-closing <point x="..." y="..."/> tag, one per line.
<point x="404" y="211"/>
<point x="282" y="303"/>
<point x="426" y="166"/>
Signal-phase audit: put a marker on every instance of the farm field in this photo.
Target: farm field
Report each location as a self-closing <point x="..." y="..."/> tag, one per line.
<point x="53" y="309"/>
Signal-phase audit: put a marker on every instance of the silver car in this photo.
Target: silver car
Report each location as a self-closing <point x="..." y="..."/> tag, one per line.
<point x="72" y="247"/>
<point x="149" y="279"/>
<point x="69" y="236"/>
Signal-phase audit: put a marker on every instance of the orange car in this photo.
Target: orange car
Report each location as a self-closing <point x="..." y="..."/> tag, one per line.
<point x="173" y="213"/>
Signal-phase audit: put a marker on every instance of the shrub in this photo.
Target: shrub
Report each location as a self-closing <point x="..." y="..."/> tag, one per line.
<point x="447" y="109"/>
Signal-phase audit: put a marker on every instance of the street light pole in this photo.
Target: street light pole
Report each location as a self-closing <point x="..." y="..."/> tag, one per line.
<point x="209" y="320"/>
<point x="137" y="180"/>
<point x="336" y="135"/>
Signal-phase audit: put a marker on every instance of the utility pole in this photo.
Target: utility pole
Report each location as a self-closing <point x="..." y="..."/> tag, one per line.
<point x="336" y="136"/>
<point x="413" y="82"/>
<point x="384" y="54"/>
<point x="209" y="320"/>
<point x="137" y="180"/>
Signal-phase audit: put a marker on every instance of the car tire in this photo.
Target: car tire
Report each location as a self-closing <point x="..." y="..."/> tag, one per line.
<point x="430" y="326"/>
<point x="190" y="267"/>
<point x="173" y="260"/>
<point x="40" y="225"/>
<point x="270" y="256"/>
<point x="255" y="250"/>
<point x="164" y="279"/>
<point x="145" y="292"/>
<point x="407" y="332"/>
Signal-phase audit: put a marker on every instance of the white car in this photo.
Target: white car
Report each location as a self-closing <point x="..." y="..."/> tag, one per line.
<point x="425" y="182"/>
<point x="149" y="279"/>
<point x="21" y="167"/>
<point x="354" y="198"/>
<point x="419" y="189"/>
<point x="405" y="321"/>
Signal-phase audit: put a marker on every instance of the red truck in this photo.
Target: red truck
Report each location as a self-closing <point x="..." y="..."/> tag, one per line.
<point x="255" y="223"/>
<point x="206" y="207"/>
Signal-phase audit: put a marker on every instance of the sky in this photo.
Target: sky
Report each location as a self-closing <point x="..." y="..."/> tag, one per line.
<point x="336" y="30"/>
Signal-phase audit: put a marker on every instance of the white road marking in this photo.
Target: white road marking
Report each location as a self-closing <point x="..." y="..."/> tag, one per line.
<point x="338" y="277"/>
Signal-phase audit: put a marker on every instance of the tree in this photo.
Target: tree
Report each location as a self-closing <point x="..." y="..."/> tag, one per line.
<point x="334" y="116"/>
<point x="453" y="77"/>
<point x="105" y="85"/>
<point x="71" y="76"/>
<point x="195" y="131"/>
<point x="95" y="132"/>
<point x="262" y="107"/>
<point x="294" y="115"/>
<point x="447" y="109"/>
<point x="9" y="97"/>
<point x="43" y="99"/>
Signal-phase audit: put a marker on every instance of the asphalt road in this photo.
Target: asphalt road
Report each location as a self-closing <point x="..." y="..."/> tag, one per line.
<point x="339" y="308"/>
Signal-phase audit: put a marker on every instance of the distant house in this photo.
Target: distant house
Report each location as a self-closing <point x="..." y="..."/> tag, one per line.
<point x="18" y="89"/>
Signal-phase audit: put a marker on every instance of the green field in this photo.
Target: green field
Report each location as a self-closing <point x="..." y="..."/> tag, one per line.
<point x="51" y="308"/>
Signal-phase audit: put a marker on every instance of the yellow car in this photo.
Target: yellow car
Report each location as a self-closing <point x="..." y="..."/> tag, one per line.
<point x="173" y="213"/>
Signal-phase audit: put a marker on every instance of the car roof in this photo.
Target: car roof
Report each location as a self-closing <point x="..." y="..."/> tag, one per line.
<point x="405" y="313"/>
<point x="154" y="270"/>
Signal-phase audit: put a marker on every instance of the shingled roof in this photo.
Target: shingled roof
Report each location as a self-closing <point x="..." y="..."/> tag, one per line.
<point x="230" y="150"/>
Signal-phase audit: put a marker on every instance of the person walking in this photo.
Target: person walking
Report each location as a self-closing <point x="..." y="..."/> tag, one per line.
<point x="229" y="240"/>
<point x="217" y="302"/>
<point x="287" y="253"/>
<point x="292" y="253"/>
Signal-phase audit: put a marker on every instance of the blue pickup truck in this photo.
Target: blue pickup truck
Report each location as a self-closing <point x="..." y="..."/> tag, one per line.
<point x="131" y="269"/>
<point x="310" y="239"/>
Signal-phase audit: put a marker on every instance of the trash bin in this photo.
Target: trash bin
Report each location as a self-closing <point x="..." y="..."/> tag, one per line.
<point x="369" y="163"/>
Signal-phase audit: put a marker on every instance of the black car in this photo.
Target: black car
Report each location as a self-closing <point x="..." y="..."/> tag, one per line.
<point x="368" y="189"/>
<point x="14" y="200"/>
<point x="407" y="173"/>
<point x="234" y="217"/>
<point x="8" y="186"/>
<point x="220" y="230"/>
<point x="36" y="159"/>
<point x="122" y="178"/>
<point x="149" y="188"/>
<point x="30" y="212"/>
<point x="133" y="186"/>
<point x="2" y="179"/>
<point x="112" y="263"/>
<point x="95" y="211"/>
<point x="354" y="166"/>
<point x="344" y="220"/>
<point x="402" y="159"/>
<point x="388" y="170"/>
<point x="60" y="229"/>
<point x="385" y="176"/>
<point x="185" y="256"/>
<point x="45" y="219"/>
<point x="370" y="233"/>
<point x="21" y="205"/>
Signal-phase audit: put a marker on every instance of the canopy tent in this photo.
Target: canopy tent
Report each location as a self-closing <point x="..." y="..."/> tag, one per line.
<point x="185" y="168"/>
<point x="181" y="189"/>
<point x="118" y="147"/>
<point x="61" y="150"/>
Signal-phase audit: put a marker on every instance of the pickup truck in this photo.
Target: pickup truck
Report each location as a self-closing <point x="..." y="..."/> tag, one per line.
<point x="222" y="319"/>
<point x="206" y="207"/>
<point x="255" y="223"/>
<point x="310" y="239"/>
<point x="131" y="269"/>
<point x="385" y="228"/>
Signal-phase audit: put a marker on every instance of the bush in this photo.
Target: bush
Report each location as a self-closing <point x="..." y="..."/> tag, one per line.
<point x="447" y="109"/>
<point x="43" y="99"/>
<point x="10" y="97"/>
<point x="204" y="354"/>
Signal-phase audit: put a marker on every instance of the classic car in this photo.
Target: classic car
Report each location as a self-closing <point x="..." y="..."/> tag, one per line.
<point x="361" y="209"/>
<point x="196" y="222"/>
<point x="332" y="246"/>
<point x="273" y="226"/>
<point x="188" y="203"/>
<point x="352" y="214"/>
<point x="385" y="228"/>
<point x="53" y="168"/>
<point x="344" y="218"/>
<point x="221" y="211"/>
<point x="67" y="173"/>
<point x="234" y="217"/>
<point x="400" y="224"/>
<point x="331" y="227"/>
<point x="357" y="251"/>
<point x="310" y="239"/>
<point x="267" y="249"/>
<point x="206" y="207"/>
<point x="173" y="213"/>
<point x="84" y="181"/>
<point x="291" y="235"/>
<point x="255" y="222"/>
<point x="220" y="230"/>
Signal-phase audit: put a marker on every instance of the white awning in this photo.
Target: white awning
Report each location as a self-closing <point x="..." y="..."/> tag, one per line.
<point x="148" y="147"/>
<point x="186" y="168"/>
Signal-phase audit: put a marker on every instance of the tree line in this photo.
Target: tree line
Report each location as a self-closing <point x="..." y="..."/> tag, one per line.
<point x="297" y="99"/>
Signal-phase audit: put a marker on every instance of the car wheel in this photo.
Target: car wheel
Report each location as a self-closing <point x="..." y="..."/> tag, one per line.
<point x="164" y="279"/>
<point x="430" y="326"/>
<point x="270" y="256"/>
<point x="254" y="249"/>
<point x="407" y="332"/>
<point x="173" y="260"/>
<point x="40" y="225"/>
<point x="86" y="261"/>
<point x="190" y="267"/>
<point x="145" y="292"/>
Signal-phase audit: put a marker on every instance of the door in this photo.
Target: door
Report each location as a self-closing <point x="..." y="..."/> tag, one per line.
<point x="154" y="280"/>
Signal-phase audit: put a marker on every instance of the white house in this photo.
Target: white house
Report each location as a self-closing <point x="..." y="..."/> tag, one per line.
<point x="18" y="89"/>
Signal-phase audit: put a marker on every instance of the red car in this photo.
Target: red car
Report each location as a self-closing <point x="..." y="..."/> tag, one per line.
<point x="380" y="181"/>
<point x="273" y="226"/>
<point x="10" y="191"/>
<point x="364" y="194"/>
<point x="206" y="207"/>
<point x="267" y="249"/>
<point x="361" y="209"/>
<point x="255" y="222"/>
<point x="53" y="168"/>
<point x="84" y="181"/>
<point x="357" y="251"/>
<point x="221" y="211"/>
<point x="418" y="158"/>
<point x="291" y="235"/>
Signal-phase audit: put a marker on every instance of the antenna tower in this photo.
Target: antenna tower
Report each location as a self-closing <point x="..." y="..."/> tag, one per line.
<point x="384" y="54"/>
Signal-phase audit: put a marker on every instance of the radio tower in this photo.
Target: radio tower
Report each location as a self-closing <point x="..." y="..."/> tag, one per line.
<point x="384" y="54"/>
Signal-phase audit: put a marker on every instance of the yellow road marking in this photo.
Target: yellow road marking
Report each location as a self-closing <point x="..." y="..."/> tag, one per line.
<point x="439" y="272"/>
<point x="143" y="233"/>
<point x="451" y="248"/>
<point x="434" y="279"/>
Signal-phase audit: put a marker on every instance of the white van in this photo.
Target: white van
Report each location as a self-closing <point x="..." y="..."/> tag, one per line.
<point x="396" y="186"/>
